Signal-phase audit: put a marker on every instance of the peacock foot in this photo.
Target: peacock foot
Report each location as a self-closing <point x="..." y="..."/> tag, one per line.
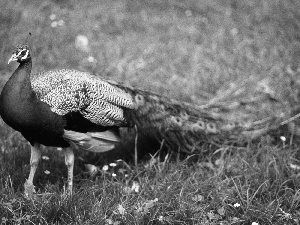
<point x="29" y="189"/>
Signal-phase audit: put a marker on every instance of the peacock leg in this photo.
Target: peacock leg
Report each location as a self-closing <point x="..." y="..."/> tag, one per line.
<point x="69" y="160"/>
<point x="34" y="161"/>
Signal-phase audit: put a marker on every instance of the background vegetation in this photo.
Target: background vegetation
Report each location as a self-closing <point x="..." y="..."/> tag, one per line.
<point x="189" y="50"/>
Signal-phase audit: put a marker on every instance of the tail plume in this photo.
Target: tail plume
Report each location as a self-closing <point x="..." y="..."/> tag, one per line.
<point x="184" y="126"/>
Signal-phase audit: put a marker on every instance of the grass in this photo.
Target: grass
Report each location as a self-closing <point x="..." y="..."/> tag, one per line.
<point x="189" y="50"/>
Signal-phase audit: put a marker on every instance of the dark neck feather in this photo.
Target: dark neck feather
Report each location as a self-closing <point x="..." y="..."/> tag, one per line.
<point x="22" y="73"/>
<point x="17" y="92"/>
<point x="17" y="99"/>
<point x="19" y="83"/>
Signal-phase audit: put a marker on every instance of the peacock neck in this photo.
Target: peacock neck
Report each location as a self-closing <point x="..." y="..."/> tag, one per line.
<point x="21" y="77"/>
<point x="18" y="86"/>
<point x="17" y="93"/>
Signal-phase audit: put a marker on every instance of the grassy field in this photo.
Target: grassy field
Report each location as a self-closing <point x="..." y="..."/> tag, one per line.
<point x="188" y="50"/>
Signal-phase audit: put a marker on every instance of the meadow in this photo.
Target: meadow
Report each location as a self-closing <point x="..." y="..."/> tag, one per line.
<point x="189" y="50"/>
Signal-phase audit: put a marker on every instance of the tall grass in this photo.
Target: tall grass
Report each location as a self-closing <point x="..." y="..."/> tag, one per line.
<point x="189" y="50"/>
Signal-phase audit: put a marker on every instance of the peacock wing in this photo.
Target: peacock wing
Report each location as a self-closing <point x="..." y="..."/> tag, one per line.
<point x="93" y="97"/>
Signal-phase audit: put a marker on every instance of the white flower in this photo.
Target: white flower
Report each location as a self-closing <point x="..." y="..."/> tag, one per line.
<point x="121" y="209"/>
<point x="161" y="218"/>
<point x="47" y="172"/>
<point x="82" y="43"/>
<point x="236" y="205"/>
<point x="52" y="16"/>
<point x="113" y="175"/>
<point x="112" y="164"/>
<point x="135" y="187"/>
<point x="91" y="59"/>
<point x="60" y="23"/>
<point x="283" y="138"/>
<point x="54" y="24"/>
<point x="59" y="149"/>
<point x="254" y="223"/>
<point x="294" y="166"/>
<point x="105" y="168"/>
<point x="45" y="157"/>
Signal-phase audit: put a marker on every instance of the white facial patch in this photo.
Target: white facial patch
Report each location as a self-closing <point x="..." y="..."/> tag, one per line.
<point x="26" y="54"/>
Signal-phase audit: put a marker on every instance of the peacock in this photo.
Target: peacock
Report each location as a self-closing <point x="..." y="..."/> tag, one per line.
<point x="72" y="109"/>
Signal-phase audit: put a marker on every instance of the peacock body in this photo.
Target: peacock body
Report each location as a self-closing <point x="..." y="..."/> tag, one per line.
<point x="68" y="108"/>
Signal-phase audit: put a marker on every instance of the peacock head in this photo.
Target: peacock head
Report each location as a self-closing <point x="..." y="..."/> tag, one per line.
<point x="20" y="54"/>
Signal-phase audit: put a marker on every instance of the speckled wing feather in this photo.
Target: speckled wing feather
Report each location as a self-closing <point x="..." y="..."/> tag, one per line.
<point x="68" y="91"/>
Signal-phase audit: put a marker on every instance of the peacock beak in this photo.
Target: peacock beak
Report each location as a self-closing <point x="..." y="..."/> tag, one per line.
<point x="12" y="58"/>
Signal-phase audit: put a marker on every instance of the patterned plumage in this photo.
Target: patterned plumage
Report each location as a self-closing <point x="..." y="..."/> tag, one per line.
<point x="68" y="108"/>
<point x="185" y="127"/>
<point x="68" y="91"/>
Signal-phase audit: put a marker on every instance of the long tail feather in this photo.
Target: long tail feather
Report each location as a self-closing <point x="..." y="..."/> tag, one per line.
<point x="185" y="126"/>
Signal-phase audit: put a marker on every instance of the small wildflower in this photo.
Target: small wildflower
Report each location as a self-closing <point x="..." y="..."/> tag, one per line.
<point x="135" y="187"/>
<point x="121" y="209"/>
<point x="236" y="205"/>
<point x="113" y="164"/>
<point x="52" y="16"/>
<point x="45" y="157"/>
<point x="294" y="167"/>
<point x="126" y="175"/>
<point x="54" y="24"/>
<point x="91" y="59"/>
<point x="47" y="172"/>
<point x="59" y="149"/>
<point x="82" y="43"/>
<point x="113" y="175"/>
<point x="105" y="168"/>
<point x="60" y="23"/>
<point x="283" y="138"/>
<point x="254" y="223"/>
<point x="160" y="218"/>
